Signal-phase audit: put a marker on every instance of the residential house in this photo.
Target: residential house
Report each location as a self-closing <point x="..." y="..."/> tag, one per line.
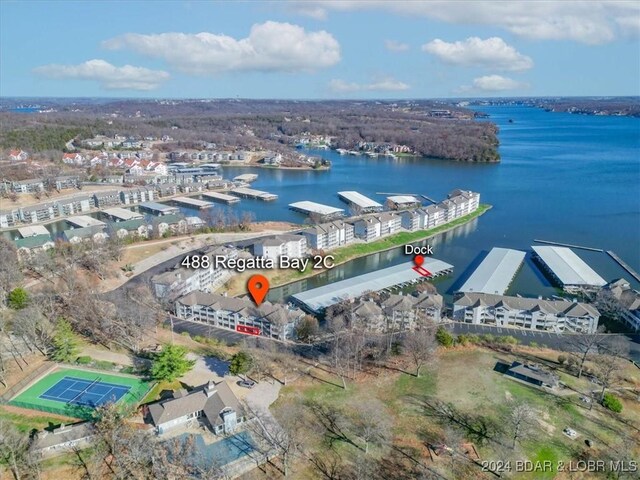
<point x="212" y="404"/>
<point x="532" y="374"/>
<point x="240" y="314"/>
<point x="35" y="243"/>
<point x="18" y="155"/>
<point x="73" y="158"/>
<point x="64" y="439"/>
<point x="530" y="313"/>
<point x="292" y="246"/>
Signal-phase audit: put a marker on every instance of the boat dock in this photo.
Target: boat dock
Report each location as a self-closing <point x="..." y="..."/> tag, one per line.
<point x="624" y="265"/>
<point x="256" y="194"/>
<point x="495" y="273"/>
<point x="360" y="202"/>
<point x="313" y="208"/>
<point x="159" y="209"/>
<point x="569" y="245"/>
<point x="192" y="202"/>
<point x="221" y="197"/>
<point x="567" y="269"/>
<point x="398" y="276"/>
<point x="82" y="221"/>
<point x="119" y="214"/>
<point x="246" y="177"/>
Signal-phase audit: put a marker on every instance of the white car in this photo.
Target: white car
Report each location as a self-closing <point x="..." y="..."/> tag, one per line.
<point x="570" y="432"/>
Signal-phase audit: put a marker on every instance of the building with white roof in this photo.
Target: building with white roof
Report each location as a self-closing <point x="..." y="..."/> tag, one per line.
<point x="313" y="208"/>
<point x="495" y="273"/>
<point x="359" y="202"/>
<point x="566" y="268"/>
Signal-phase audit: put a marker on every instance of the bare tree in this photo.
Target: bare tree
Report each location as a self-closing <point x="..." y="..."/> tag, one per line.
<point x="607" y="371"/>
<point x="581" y="346"/>
<point x="15" y="452"/>
<point x="10" y="272"/>
<point x="521" y="422"/>
<point x="420" y="345"/>
<point x="371" y="422"/>
<point x="35" y="328"/>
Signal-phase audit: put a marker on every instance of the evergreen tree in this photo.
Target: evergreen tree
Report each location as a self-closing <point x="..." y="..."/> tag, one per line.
<point x="18" y="298"/>
<point x="171" y="363"/>
<point x="65" y="343"/>
<point x="240" y="364"/>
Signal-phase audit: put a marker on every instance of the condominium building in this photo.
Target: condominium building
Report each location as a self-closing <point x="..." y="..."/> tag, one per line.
<point x="109" y="198"/>
<point x="240" y="314"/>
<point x="329" y="235"/>
<point x="292" y="246"/>
<point x="529" y="313"/>
<point x="137" y="195"/>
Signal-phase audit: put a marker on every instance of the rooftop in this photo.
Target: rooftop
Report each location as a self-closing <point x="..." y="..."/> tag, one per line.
<point x="403" y="199"/>
<point x="84" y="221"/>
<point x="122" y="213"/>
<point x="568" y="267"/>
<point x="159" y="207"/>
<point x="32" y="231"/>
<point x="313" y="207"/>
<point x="564" y="307"/>
<point x="495" y="272"/>
<point x="358" y="199"/>
<point x="322" y="297"/>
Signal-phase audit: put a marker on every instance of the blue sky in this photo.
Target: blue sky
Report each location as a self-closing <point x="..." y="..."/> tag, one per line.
<point x="319" y="49"/>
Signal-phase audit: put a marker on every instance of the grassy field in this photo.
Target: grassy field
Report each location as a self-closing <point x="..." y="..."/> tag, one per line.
<point x="30" y="398"/>
<point x="465" y="379"/>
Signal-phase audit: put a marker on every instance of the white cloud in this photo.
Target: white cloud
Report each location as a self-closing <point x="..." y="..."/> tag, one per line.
<point x="270" y="46"/>
<point x="109" y="76"/>
<point x="493" y="53"/>
<point x="395" y="46"/>
<point x="383" y="85"/>
<point x="586" y="21"/>
<point x="492" y="83"/>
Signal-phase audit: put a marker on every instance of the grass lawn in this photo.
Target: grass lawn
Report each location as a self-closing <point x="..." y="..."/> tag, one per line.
<point x="30" y="398"/>
<point x="26" y="423"/>
<point x="155" y="392"/>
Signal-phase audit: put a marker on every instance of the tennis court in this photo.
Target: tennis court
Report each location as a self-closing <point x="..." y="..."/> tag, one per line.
<point x="76" y="392"/>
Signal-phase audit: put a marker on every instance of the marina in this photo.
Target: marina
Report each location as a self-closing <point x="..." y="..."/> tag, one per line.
<point x="317" y="299"/>
<point x="313" y="208"/>
<point x="118" y="214"/>
<point x="220" y="197"/>
<point x="159" y="209"/>
<point x="360" y="202"/>
<point x="255" y="194"/>
<point x="495" y="273"/>
<point x="569" y="270"/>
<point x="82" y="221"/>
<point x="192" y="202"/>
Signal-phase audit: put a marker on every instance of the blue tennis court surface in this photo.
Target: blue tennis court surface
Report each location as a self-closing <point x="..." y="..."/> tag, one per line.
<point x="80" y="391"/>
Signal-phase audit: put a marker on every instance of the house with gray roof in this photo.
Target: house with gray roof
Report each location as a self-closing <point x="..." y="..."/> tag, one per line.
<point x="63" y="439"/>
<point x="211" y="404"/>
<point x="532" y="374"/>
<point x="628" y="299"/>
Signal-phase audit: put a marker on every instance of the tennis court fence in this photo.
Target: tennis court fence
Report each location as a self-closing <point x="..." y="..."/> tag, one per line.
<point x="25" y="382"/>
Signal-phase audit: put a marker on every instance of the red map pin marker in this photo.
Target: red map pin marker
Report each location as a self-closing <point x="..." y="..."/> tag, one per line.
<point x="258" y="286"/>
<point x="418" y="260"/>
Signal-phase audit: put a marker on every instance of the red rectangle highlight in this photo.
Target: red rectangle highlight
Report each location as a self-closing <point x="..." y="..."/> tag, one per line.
<point x="247" y="330"/>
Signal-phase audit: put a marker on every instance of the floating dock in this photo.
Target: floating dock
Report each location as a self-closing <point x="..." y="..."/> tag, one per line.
<point x="246" y="177"/>
<point x="360" y="202"/>
<point x="399" y="202"/>
<point x="568" y="245"/>
<point x="118" y="214"/>
<point x="624" y="265"/>
<point x="221" y="197"/>
<point x="495" y="273"/>
<point x="33" y="231"/>
<point x="257" y="194"/>
<point x="569" y="270"/>
<point x="313" y="208"/>
<point x="83" y="221"/>
<point x="158" y="208"/>
<point x="192" y="202"/>
<point x="317" y="299"/>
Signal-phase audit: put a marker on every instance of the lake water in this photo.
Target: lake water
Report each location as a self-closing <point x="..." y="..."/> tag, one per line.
<point x="566" y="178"/>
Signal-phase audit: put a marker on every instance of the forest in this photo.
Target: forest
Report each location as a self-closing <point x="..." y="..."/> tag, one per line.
<point x="256" y="124"/>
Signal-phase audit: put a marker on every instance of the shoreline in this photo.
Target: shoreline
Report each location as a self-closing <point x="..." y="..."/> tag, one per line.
<point x="397" y="240"/>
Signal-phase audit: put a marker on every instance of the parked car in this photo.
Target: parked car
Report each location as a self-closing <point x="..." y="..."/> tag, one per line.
<point x="585" y="399"/>
<point x="246" y="383"/>
<point x="570" y="432"/>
